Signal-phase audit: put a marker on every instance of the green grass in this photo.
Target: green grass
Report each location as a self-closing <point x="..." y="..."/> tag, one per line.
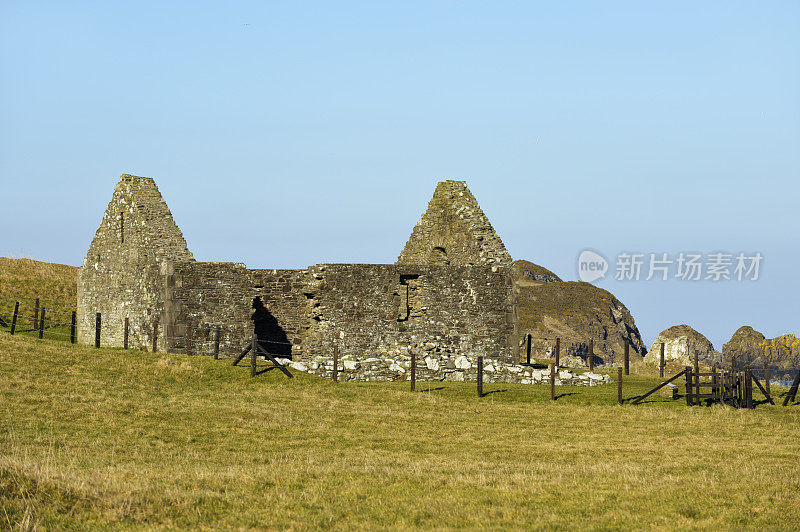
<point x="25" y="280"/>
<point x="103" y="438"/>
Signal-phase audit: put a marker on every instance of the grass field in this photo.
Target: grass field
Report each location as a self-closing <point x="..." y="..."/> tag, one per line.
<point x="23" y="281"/>
<point x="103" y="438"/>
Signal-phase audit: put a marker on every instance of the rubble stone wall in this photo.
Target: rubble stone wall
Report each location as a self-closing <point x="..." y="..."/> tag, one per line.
<point x="122" y="275"/>
<point x="366" y="309"/>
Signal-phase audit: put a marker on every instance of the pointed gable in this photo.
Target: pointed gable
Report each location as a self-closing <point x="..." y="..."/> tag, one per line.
<point x="454" y="230"/>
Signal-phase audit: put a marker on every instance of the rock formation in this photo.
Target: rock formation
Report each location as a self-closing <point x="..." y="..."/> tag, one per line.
<point x="680" y="344"/>
<point x="530" y="274"/>
<point x="749" y="347"/>
<point x="575" y="312"/>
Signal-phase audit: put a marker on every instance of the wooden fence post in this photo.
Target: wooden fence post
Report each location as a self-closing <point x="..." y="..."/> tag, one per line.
<point x="36" y="315"/>
<point x="627" y="357"/>
<point x="591" y="354"/>
<point x="661" y="362"/>
<point x="766" y="378"/>
<point x="73" y="328"/>
<point x="792" y="394"/>
<point x="714" y="383"/>
<point x="216" y="344"/>
<point x="14" y="318"/>
<point x="253" y="351"/>
<point x="619" y="385"/>
<point x="188" y="338"/>
<point x="697" y="376"/>
<point x="689" y="401"/>
<point x="413" y="371"/>
<point x="558" y="352"/>
<point x="335" y="362"/>
<point x="98" y="321"/>
<point x="748" y="387"/>
<point x="480" y="376"/>
<point x="527" y="348"/>
<point x="41" y="325"/>
<point x="125" y="335"/>
<point x="552" y="382"/>
<point x="739" y="390"/>
<point x="155" y="336"/>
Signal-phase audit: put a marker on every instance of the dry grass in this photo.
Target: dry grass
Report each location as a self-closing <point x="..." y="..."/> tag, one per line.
<point x="24" y="280"/>
<point x="112" y="439"/>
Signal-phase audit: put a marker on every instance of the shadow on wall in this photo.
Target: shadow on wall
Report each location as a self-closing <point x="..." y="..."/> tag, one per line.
<point x="270" y="334"/>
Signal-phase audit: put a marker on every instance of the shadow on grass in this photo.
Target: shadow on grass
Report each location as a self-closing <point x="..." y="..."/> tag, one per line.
<point x="565" y="394"/>
<point x="494" y="391"/>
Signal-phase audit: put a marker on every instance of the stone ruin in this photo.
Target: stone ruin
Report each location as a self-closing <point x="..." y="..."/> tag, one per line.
<point x="449" y="298"/>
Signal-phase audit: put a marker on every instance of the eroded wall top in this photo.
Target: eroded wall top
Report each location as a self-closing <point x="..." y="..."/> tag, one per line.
<point x="454" y="230"/>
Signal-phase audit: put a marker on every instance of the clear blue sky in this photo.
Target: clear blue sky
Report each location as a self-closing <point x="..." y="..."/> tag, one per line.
<point x="316" y="133"/>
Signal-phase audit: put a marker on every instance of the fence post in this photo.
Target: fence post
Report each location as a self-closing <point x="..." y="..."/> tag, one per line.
<point x="41" y="325"/>
<point x="188" y="338"/>
<point x="558" y="352"/>
<point x="73" y="328"/>
<point x="661" y="362"/>
<point x="697" y="376"/>
<point x="98" y="319"/>
<point x="527" y="348"/>
<point x="627" y="357"/>
<point x="748" y="387"/>
<point x="591" y="354"/>
<point x="689" y="401"/>
<point x="125" y="335"/>
<point x="335" y="362"/>
<point x="480" y="376"/>
<point x="766" y="378"/>
<point x="14" y="318"/>
<point x="36" y="315"/>
<point x="155" y="336"/>
<point x="413" y="371"/>
<point x="253" y="351"/>
<point x="216" y="344"/>
<point x="714" y="384"/>
<point x="739" y="391"/>
<point x="552" y="382"/>
<point x="619" y="385"/>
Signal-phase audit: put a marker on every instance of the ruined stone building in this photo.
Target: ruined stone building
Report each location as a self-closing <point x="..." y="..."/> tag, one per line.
<point x="449" y="295"/>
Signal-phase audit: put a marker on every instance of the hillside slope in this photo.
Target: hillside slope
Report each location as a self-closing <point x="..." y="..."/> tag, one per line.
<point x="575" y="312"/>
<point x="24" y="280"/>
<point x="105" y="439"/>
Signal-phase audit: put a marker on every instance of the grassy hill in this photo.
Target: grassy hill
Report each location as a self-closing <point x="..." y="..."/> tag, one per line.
<point x="104" y="438"/>
<point x="24" y="280"/>
<point x="575" y="312"/>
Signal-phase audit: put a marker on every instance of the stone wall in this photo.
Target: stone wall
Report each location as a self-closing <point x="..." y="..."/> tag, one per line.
<point x="363" y="309"/>
<point x="122" y="275"/>
<point x="454" y="230"/>
<point x="432" y="367"/>
<point x="368" y="309"/>
<point x="217" y="295"/>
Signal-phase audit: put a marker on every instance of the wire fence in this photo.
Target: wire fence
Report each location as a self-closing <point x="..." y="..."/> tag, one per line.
<point x="38" y="317"/>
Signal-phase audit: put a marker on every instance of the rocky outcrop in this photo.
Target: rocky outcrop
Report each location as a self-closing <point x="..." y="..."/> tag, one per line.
<point x="575" y="312"/>
<point x="745" y="346"/>
<point x="681" y="342"/>
<point x="526" y="272"/>
<point x="750" y="347"/>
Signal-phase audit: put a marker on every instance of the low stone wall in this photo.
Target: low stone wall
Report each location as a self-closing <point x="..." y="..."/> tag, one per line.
<point x="397" y="367"/>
